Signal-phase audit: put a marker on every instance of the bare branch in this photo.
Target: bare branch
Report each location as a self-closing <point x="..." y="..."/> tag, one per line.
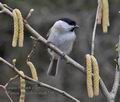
<point x="35" y="42"/>
<point x="117" y="77"/>
<point x="94" y="31"/>
<point x="39" y="83"/>
<point x="29" y="14"/>
<point x="8" y="95"/>
<point x="11" y="79"/>
<point x="116" y="82"/>
<point x="5" y="87"/>
<point x="104" y="89"/>
<point x="6" y="6"/>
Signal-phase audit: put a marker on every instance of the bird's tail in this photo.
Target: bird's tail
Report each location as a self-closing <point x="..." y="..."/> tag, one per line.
<point x="52" y="70"/>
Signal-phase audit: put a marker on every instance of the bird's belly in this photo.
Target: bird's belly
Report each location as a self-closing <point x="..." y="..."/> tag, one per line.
<point x="66" y="43"/>
<point x="63" y="41"/>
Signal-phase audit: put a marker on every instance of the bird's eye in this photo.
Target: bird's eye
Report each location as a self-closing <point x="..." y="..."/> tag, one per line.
<point x="72" y="29"/>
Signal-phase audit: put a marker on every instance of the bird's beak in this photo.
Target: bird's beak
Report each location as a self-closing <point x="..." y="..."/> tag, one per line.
<point x="76" y="26"/>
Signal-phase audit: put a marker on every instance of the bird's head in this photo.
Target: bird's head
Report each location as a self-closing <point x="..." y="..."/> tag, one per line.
<point x="65" y="25"/>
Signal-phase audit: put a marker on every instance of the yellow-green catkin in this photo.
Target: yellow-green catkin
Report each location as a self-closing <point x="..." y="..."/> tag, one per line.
<point x="22" y="88"/>
<point x="96" y="77"/>
<point x="89" y="75"/>
<point x="14" y="61"/>
<point x="16" y="29"/>
<point x="21" y="28"/>
<point x="33" y="70"/>
<point x="105" y="13"/>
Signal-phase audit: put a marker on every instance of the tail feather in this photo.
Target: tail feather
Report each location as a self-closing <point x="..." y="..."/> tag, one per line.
<point x="52" y="70"/>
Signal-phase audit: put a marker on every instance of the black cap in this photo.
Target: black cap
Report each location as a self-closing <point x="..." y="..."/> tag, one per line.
<point x="69" y="21"/>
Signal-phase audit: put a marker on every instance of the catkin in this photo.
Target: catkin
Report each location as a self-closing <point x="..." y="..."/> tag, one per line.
<point x="22" y="88"/>
<point x="89" y="75"/>
<point x="16" y="29"/>
<point x="14" y="61"/>
<point x="33" y="70"/>
<point x="105" y="13"/>
<point x="99" y="16"/>
<point x="21" y="28"/>
<point x="96" y="75"/>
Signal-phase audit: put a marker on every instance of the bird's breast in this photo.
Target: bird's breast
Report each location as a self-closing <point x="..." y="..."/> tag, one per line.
<point x="66" y="42"/>
<point x="63" y="41"/>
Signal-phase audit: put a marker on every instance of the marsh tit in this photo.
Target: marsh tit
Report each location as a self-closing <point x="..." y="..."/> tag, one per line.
<point x="62" y="35"/>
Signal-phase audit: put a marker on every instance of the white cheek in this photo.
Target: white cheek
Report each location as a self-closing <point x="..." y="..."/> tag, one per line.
<point x="62" y="26"/>
<point x="65" y="26"/>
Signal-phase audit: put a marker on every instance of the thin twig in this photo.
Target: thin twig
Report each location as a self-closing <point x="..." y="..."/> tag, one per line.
<point x="6" y="6"/>
<point x="5" y="87"/>
<point x="29" y="14"/>
<point x="116" y="79"/>
<point x="11" y="79"/>
<point x="8" y="95"/>
<point x="35" y="42"/>
<point x="117" y="76"/>
<point x="116" y="82"/>
<point x="94" y="32"/>
<point x="104" y="89"/>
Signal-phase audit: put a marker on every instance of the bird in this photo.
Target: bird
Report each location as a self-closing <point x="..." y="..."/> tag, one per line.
<point x="62" y="35"/>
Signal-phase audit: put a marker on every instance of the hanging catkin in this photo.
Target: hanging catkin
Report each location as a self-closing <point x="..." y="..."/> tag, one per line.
<point x="96" y="76"/>
<point x="105" y="13"/>
<point x="16" y="29"/>
<point x="33" y="70"/>
<point x="21" y="28"/>
<point x="22" y="88"/>
<point x="89" y="75"/>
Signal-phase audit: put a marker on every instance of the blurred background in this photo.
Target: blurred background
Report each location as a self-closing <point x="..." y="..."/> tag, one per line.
<point x="69" y="78"/>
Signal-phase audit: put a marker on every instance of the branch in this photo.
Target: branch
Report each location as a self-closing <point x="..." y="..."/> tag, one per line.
<point x="35" y="42"/>
<point x="94" y="31"/>
<point x="38" y="82"/>
<point x="29" y="14"/>
<point x="55" y="49"/>
<point x="104" y="89"/>
<point x="5" y="87"/>
<point x="11" y="79"/>
<point x="116" y="83"/>
<point x="117" y="77"/>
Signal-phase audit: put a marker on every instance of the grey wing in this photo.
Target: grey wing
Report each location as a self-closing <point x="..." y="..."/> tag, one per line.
<point x="52" y="37"/>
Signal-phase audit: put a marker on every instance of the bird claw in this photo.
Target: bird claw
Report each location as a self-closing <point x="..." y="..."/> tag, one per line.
<point x="63" y="55"/>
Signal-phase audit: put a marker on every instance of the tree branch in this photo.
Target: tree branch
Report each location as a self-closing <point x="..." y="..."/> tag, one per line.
<point x="29" y="14"/>
<point x="117" y="77"/>
<point x="94" y="31"/>
<point x="5" y="87"/>
<point x="38" y="82"/>
<point x="35" y="42"/>
<point x="116" y="84"/>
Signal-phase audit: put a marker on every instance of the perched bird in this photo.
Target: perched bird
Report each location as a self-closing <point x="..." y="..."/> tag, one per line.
<point x="62" y="35"/>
